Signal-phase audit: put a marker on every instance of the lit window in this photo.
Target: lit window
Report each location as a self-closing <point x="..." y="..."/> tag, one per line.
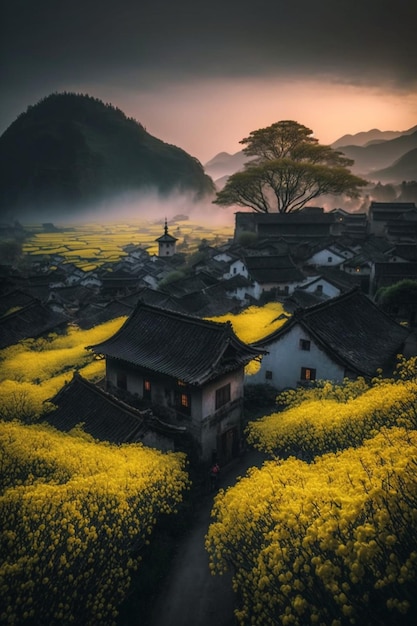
<point x="185" y="401"/>
<point x="147" y="388"/>
<point x="222" y="396"/>
<point x="308" y="373"/>
<point x="305" y="344"/>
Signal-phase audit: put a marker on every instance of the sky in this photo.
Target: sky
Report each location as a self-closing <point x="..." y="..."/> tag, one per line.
<point x="203" y="75"/>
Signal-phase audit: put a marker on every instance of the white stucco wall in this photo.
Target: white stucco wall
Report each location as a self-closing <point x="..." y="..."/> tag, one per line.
<point x="322" y="258"/>
<point x="285" y="360"/>
<point x="206" y="424"/>
<point x="327" y="289"/>
<point x="235" y="268"/>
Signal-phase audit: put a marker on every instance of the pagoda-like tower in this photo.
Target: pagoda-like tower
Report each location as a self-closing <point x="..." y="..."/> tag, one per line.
<point x="166" y="243"/>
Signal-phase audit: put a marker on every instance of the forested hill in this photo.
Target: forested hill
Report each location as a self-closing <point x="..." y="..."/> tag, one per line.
<point x="71" y="150"/>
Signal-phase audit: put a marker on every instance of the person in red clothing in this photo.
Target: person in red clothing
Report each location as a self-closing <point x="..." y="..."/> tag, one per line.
<point x="214" y="475"/>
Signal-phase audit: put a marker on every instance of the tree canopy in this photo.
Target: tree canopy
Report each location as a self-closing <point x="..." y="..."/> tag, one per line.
<point x="290" y="168"/>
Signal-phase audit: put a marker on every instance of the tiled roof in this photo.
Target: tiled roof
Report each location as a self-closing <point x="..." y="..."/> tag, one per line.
<point x="184" y="347"/>
<point x="14" y="300"/>
<point x="33" y="320"/>
<point x="103" y="416"/>
<point x="98" y="313"/>
<point x="352" y="329"/>
<point x="300" y="298"/>
<point x="273" y="269"/>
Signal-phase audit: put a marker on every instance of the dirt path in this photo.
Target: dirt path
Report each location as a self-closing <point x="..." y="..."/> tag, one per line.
<point x="192" y="596"/>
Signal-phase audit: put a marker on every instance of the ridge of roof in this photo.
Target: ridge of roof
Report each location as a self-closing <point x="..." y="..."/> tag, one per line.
<point x="176" y="344"/>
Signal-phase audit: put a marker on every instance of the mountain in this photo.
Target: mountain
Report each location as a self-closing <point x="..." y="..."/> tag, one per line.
<point x="375" y="156"/>
<point x="371" y="151"/>
<point x="224" y="164"/>
<point x="405" y="168"/>
<point x="370" y="136"/>
<point x="70" y="151"/>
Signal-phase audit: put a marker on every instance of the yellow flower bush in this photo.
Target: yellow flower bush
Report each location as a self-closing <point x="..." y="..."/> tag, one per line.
<point x="329" y="543"/>
<point x="34" y="370"/>
<point x="332" y="417"/>
<point x="255" y="322"/>
<point x="75" y="514"/>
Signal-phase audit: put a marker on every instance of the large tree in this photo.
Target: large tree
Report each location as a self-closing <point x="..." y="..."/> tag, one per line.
<point x="288" y="169"/>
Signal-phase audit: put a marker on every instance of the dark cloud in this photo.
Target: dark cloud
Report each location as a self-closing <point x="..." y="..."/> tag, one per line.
<point x="216" y="38"/>
<point x="48" y="45"/>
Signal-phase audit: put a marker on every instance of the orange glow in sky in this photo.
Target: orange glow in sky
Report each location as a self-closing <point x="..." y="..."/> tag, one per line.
<point x="211" y="116"/>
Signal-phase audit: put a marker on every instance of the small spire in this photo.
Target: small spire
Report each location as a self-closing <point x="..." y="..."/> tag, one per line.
<point x="166" y="227"/>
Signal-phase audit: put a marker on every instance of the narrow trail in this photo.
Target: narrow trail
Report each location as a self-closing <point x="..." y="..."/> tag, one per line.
<point x="191" y="596"/>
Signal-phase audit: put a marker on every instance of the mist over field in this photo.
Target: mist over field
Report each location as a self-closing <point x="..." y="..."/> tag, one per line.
<point x="133" y="206"/>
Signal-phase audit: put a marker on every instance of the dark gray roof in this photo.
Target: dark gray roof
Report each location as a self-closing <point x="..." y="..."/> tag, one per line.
<point x="340" y="279"/>
<point x="387" y="274"/>
<point x="352" y="329"/>
<point x="301" y="298"/>
<point x="14" y="300"/>
<point x="98" y="313"/>
<point x="184" y="347"/>
<point x="102" y="415"/>
<point x="273" y="269"/>
<point x="33" y="320"/>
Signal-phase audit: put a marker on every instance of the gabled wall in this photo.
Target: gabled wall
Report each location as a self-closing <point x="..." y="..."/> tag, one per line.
<point x="286" y="358"/>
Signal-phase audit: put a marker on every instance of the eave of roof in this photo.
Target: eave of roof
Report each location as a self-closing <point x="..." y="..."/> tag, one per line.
<point x="177" y="345"/>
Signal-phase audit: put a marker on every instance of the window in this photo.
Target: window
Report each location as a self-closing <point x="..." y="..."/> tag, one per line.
<point x="183" y="402"/>
<point x="329" y="259"/>
<point x="308" y="374"/>
<point x="121" y="380"/>
<point x="305" y="344"/>
<point x="222" y="396"/>
<point x="147" y="389"/>
<point x="319" y="289"/>
<point x="268" y="375"/>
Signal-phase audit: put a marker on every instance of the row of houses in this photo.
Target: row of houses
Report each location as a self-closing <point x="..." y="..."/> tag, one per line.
<point x="395" y="221"/>
<point x="191" y="372"/>
<point x="175" y="380"/>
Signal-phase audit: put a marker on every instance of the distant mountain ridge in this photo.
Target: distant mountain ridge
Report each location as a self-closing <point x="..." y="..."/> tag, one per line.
<point x="386" y="153"/>
<point x="375" y="156"/>
<point x="403" y="169"/>
<point x="375" y="135"/>
<point x="72" y="150"/>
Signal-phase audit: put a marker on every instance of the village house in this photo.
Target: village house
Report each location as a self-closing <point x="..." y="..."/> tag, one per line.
<point x="274" y="274"/>
<point x="320" y="286"/>
<point x="328" y="256"/>
<point x="106" y="418"/>
<point x="353" y="225"/>
<point x="347" y="336"/>
<point x="33" y="319"/>
<point x="190" y="369"/>
<point x="308" y="223"/>
<point x="385" y="218"/>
